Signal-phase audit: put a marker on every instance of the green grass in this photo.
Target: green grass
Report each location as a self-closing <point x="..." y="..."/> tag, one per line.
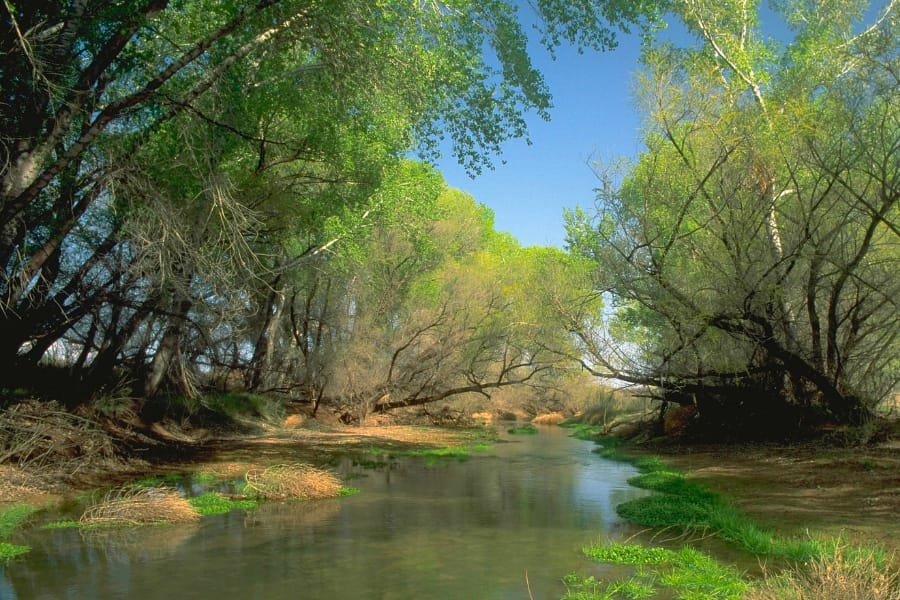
<point x="9" y="551"/>
<point x="433" y="455"/>
<point x="66" y="524"/>
<point x="348" y="491"/>
<point x="690" y="506"/>
<point x="591" y="433"/>
<point x="11" y="518"/>
<point x="523" y="430"/>
<point x="687" y="573"/>
<point x="590" y="588"/>
<point x="211" y="503"/>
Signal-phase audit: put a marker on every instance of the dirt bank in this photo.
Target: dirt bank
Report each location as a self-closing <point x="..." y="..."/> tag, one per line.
<point x="855" y="491"/>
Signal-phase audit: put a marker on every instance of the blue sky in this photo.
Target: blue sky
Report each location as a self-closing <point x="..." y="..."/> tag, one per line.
<point x="593" y="117"/>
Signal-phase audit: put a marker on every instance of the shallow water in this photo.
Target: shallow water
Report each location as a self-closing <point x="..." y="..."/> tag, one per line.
<point x="468" y="530"/>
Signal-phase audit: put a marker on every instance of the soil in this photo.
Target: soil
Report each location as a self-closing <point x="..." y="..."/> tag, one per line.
<point x="849" y="491"/>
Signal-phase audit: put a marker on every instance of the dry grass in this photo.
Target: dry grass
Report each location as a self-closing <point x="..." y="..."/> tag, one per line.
<point x="140" y="506"/>
<point x="848" y="574"/>
<point x="280" y="482"/>
<point x="39" y="434"/>
<point x="553" y="418"/>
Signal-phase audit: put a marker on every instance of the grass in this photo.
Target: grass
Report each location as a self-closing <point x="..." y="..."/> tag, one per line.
<point x="687" y="573"/>
<point x="458" y="453"/>
<point x="691" y="507"/>
<point x="10" y="519"/>
<point x="297" y="481"/>
<point x="581" y="431"/>
<point x="212" y="503"/>
<point x="845" y="571"/>
<point x="64" y="524"/>
<point x="829" y="569"/>
<point x="9" y="551"/>
<point x="139" y="506"/>
<point x="522" y="430"/>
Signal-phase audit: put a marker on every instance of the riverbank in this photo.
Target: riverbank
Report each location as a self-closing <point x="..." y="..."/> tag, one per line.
<point x="853" y="492"/>
<point x="758" y="501"/>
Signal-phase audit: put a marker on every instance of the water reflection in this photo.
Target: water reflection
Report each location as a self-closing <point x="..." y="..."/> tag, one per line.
<point x="451" y="530"/>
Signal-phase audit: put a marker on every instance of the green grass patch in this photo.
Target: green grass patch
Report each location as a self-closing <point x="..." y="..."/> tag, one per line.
<point x="688" y="573"/>
<point x="66" y="524"/>
<point x="590" y="588"/>
<point x="170" y="479"/>
<point x="523" y="430"/>
<point x="9" y="551"/>
<point x="591" y="433"/>
<point x="13" y="516"/>
<point x="211" y="503"/>
<point x="628" y="554"/>
<point x="690" y="506"/>
<point x="434" y="455"/>
<point x="348" y="491"/>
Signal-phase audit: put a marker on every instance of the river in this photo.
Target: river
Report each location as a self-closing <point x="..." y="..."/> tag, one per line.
<point x="491" y="527"/>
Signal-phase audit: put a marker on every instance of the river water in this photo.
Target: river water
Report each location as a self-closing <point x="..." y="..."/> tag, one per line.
<point x="506" y="520"/>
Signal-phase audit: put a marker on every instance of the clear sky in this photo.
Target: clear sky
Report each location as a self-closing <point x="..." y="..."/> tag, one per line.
<point x="593" y="117"/>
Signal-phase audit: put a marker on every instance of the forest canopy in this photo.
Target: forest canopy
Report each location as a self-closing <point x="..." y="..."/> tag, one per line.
<point x="200" y="193"/>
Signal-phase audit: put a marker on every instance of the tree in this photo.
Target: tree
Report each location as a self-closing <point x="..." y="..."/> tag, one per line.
<point x="751" y="245"/>
<point x="220" y="126"/>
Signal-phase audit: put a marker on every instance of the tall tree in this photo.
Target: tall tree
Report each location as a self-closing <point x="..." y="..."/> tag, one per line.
<point x="219" y="125"/>
<point x="750" y="248"/>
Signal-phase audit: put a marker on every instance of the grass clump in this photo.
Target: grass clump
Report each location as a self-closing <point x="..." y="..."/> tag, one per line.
<point x="688" y="573"/>
<point x="690" y="506"/>
<point x="9" y="551"/>
<point x="589" y="588"/>
<point x="301" y="481"/>
<point x="843" y="571"/>
<point x="65" y="524"/>
<point x="591" y="433"/>
<point x="11" y="518"/>
<point x="139" y="506"/>
<point x="458" y="453"/>
<point x="523" y="430"/>
<point x="212" y="503"/>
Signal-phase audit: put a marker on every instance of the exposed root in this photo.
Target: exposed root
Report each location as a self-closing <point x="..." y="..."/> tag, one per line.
<point x="140" y="506"/>
<point x="280" y="482"/>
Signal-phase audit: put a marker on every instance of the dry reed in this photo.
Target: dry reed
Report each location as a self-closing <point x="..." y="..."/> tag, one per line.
<point x="280" y="482"/>
<point x="847" y="574"/>
<point x="140" y="506"/>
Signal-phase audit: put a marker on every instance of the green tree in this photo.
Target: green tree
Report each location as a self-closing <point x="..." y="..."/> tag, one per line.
<point x="751" y="246"/>
<point x="200" y="141"/>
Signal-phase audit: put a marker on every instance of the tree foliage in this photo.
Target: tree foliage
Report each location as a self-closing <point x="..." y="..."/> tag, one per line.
<point x="191" y="187"/>
<point x="753" y="247"/>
